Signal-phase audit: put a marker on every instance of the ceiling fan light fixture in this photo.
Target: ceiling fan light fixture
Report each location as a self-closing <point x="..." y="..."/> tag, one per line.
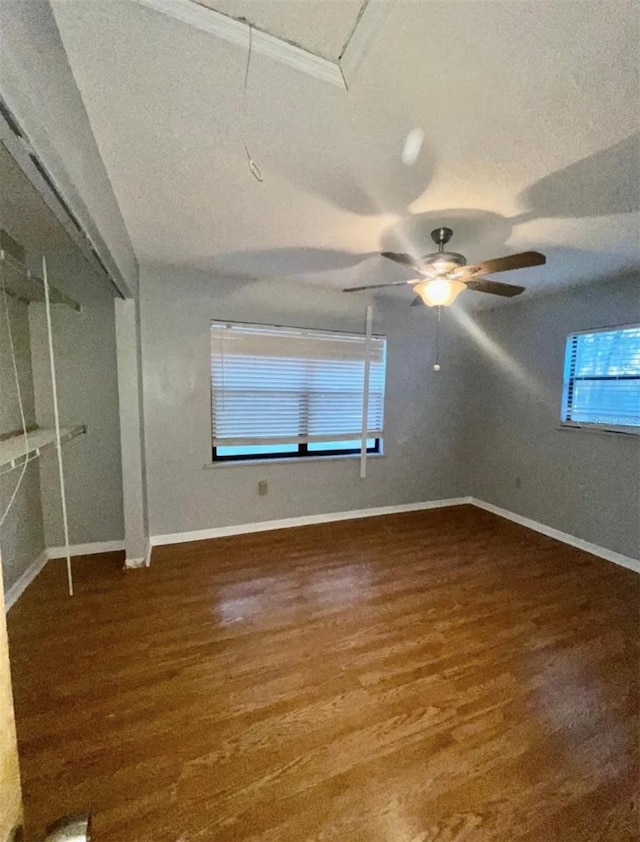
<point x="439" y="293"/>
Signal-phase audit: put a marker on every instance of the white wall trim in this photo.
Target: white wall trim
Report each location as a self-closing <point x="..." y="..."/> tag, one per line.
<point x="368" y="25"/>
<point x="131" y="426"/>
<point x="86" y="549"/>
<point x="236" y="32"/>
<point x="16" y="590"/>
<point x="306" y="520"/>
<point x="550" y="532"/>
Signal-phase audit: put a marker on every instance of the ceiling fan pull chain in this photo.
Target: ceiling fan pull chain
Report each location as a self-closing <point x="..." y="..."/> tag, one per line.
<point x="254" y="169"/>
<point x="436" y="365"/>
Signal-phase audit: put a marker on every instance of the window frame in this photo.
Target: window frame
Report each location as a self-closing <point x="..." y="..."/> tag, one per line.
<point x="628" y="429"/>
<point x="302" y="451"/>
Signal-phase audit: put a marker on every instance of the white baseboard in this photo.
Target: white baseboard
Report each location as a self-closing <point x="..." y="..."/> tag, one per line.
<point x="86" y="549"/>
<point x="142" y="561"/>
<point x="16" y="590"/>
<point x="306" y="520"/>
<point x="550" y="532"/>
<point x="263" y="526"/>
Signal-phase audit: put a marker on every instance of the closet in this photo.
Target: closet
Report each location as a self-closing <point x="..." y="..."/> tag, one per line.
<point x="20" y="446"/>
<point x="60" y="473"/>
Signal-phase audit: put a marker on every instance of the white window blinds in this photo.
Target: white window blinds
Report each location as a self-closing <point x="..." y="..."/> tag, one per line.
<point x="285" y="385"/>
<point x="602" y="378"/>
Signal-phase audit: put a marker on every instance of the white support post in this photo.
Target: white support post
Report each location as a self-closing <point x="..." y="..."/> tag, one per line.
<point x="56" y="415"/>
<point x="365" y="394"/>
<point x="131" y="441"/>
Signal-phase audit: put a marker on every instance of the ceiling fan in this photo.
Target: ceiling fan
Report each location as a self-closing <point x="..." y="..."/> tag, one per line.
<point x="445" y="274"/>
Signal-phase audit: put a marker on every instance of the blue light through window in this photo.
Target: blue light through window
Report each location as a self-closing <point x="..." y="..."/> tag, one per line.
<point x="602" y="378"/>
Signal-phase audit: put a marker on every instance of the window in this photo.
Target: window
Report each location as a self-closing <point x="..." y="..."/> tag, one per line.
<point x="280" y="392"/>
<point x="602" y="378"/>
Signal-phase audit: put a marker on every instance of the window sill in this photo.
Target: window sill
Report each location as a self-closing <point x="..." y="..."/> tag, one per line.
<point x="248" y="463"/>
<point x="607" y="431"/>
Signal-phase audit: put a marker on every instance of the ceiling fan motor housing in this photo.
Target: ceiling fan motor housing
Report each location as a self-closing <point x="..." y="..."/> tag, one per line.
<point x="443" y="262"/>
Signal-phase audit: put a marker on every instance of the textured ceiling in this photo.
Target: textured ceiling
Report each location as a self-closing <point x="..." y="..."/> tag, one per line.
<point x="321" y="26"/>
<point x="530" y="115"/>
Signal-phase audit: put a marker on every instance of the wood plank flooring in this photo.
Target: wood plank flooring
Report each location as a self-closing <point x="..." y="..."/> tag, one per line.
<point x="424" y="677"/>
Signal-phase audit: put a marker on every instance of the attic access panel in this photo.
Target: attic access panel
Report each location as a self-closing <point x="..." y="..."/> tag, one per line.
<point x="358" y="21"/>
<point x="312" y="25"/>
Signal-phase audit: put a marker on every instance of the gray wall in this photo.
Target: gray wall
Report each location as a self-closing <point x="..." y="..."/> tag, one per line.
<point x="423" y="409"/>
<point x="582" y="482"/>
<point x="22" y="533"/>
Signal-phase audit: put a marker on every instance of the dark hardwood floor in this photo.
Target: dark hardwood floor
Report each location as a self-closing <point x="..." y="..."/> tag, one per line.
<point x="442" y="675"/>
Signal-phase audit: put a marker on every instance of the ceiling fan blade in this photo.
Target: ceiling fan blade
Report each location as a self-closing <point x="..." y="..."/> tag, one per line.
<point x="380" y="286"/>
<point x="494" y="287"/>
<point x="405" y="259"/>
<point x="417" y="301"/>
<point x="503" y="264"/>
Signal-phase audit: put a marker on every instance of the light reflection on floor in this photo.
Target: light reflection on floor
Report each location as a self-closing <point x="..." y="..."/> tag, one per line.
<point x="350" y="585"/>
<point x="574" y="706"/>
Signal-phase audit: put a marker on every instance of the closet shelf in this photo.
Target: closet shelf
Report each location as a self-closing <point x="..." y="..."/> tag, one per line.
<point x="21" y="284"/>
<point x="13" y="451"/>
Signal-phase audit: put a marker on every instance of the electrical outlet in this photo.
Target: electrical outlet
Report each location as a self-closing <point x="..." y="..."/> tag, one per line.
<point x="263" y="487"/>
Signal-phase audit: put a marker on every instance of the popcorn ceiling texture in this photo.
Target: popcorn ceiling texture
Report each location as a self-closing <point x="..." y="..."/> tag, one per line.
<point x="530" y="139"/>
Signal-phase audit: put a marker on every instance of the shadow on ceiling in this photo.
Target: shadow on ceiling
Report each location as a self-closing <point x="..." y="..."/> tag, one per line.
<point x="286" y="262"/>
<point x="481" y="233"/>
<point x="602" y="184"/>
<point x="366" y="175"/>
